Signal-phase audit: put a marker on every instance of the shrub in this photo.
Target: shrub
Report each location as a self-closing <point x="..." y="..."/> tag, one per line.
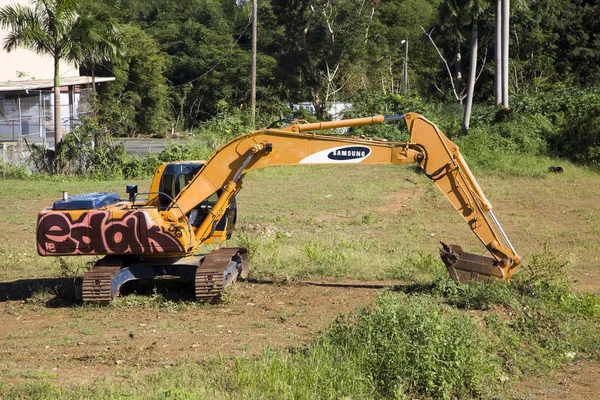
<point x="404" y="347"/>
<point x="535" y="322"/>
<point x="574" y="115"/>
<point x="85" y="151"/>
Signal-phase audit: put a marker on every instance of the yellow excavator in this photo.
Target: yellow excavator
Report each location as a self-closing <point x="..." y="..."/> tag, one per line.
<point x="190" y="204"/>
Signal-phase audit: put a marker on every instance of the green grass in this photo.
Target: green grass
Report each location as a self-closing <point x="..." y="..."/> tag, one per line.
<point x="430" y="338"/>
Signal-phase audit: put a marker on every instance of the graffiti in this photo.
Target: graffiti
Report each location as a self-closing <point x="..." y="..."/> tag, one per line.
<point x="95" y="232"/>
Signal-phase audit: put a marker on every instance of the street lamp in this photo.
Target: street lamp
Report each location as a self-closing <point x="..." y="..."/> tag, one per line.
<point x="405" y="42"/>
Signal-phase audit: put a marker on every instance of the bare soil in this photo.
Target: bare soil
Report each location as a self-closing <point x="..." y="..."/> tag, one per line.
<point x="577" y="380"/>
<point x="82" y="344"/>
<point x="74" y="344"/>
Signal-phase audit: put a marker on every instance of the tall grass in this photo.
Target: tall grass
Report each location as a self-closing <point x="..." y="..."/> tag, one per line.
<point x="404" y="346"/>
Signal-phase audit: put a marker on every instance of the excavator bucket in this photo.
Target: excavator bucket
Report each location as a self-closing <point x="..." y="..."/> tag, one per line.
<point x="465" y="267"/>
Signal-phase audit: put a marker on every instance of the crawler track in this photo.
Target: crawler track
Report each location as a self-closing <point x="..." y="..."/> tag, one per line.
<point x="97" y="283"/>
<point x="217" y="272"/>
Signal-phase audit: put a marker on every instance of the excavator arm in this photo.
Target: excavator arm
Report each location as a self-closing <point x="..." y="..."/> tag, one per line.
<point x="297" y="145"/>
<point x="443" y="163"/>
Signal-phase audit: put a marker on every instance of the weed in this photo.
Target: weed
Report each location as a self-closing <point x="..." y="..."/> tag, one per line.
<point x="261" y="324"/>
<point x="75" y="267"/>
<point x="133" y="300"/>
<point x="536" y="323"/>
<point x="402" y="347"/>
<point x="545" y="266"/>
<point x="280" y="316"/>
<point x="87" y="331"/>
<point x="231" y="295"/>
<point x="365" y="218"/>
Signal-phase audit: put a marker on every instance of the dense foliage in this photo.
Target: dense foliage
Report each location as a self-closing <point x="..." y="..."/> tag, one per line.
<point x="323" y="51"/>
<point x="563" y="123"/>
<point x="184" y="66"/>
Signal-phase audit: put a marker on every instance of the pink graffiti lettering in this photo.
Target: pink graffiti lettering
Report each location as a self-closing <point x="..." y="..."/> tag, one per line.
<point x="96" y="233"/>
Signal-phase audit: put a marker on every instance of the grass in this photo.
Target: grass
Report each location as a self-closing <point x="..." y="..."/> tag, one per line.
<point x="430" y="338"/>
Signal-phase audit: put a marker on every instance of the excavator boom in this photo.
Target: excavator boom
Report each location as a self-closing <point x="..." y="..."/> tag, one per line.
<point x="439" y="157"/>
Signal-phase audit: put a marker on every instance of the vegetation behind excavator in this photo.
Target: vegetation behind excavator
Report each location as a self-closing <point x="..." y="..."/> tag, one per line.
<point x="190" y="204"/>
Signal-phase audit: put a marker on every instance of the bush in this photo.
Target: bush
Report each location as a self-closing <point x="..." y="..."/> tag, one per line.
<point x="574" y="118"/>
<point x="416" y="346"/>
<point x="85" y="151"/>
<point x="535" y="322"/>
<point x="404" y="347"/>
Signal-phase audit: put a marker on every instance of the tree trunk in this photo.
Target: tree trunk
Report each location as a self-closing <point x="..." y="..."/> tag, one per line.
<point x="498" y="54"/>
<point x="57" y="117"/>
<point x="471" y="83"/>
<point x="318" y="104"/>
<point x="505" y="33"/>
<point x="312" y="75"/>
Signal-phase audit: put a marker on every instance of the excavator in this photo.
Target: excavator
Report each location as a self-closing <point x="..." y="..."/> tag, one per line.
<point x="190" y="204"/>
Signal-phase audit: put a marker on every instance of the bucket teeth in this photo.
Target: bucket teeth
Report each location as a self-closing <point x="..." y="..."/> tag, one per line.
<point x="465" y="267"/>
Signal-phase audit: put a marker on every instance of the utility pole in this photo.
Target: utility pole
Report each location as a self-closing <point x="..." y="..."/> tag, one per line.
<point x="405" y="43"/>
<point x="505" y="34"/>
<point x="498" y="54"/>
<point x="253" y="78"/>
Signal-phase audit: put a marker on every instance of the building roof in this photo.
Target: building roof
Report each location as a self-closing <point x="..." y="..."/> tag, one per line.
<point x="38" y="84"/>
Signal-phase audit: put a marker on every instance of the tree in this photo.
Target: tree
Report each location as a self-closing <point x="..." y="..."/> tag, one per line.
<point x="382" y="62"/>
<point x="138" y="100"/>
<point x="461" y="12"/>
<point x="324" y="40"/>
<point x="100" y="42"/>
<point x="52" y="28"/>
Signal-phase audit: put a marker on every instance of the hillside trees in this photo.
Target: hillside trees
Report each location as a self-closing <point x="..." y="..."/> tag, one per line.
<point x="206" y="64"/>
<point x="319" y="47"/>
<point x="456" y="14"/>
<point x="137" y="102"/>
<point x="325" y="50"/>
<point x="395" y="21"/>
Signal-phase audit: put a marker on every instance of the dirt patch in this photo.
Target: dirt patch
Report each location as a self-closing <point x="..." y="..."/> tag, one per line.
<point x="82" y="344"/>
<point x="578" y="380"/>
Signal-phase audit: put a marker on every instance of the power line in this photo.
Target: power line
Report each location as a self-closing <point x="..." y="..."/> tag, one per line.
<point x="211" y="69"/>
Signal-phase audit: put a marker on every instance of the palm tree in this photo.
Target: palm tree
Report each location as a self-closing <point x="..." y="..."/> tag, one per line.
<point x="50" y="27"/>
<point x="101" y="41"/>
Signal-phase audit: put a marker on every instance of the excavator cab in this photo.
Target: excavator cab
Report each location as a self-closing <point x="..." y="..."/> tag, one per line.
<point x="175" y="177"/>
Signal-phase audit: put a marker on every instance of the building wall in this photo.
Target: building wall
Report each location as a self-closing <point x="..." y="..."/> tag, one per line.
<point x="23" y="65"/>
<point x="30" y="116"/>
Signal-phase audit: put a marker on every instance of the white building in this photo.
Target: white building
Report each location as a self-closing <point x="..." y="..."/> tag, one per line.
<point x="26" y="93"/>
